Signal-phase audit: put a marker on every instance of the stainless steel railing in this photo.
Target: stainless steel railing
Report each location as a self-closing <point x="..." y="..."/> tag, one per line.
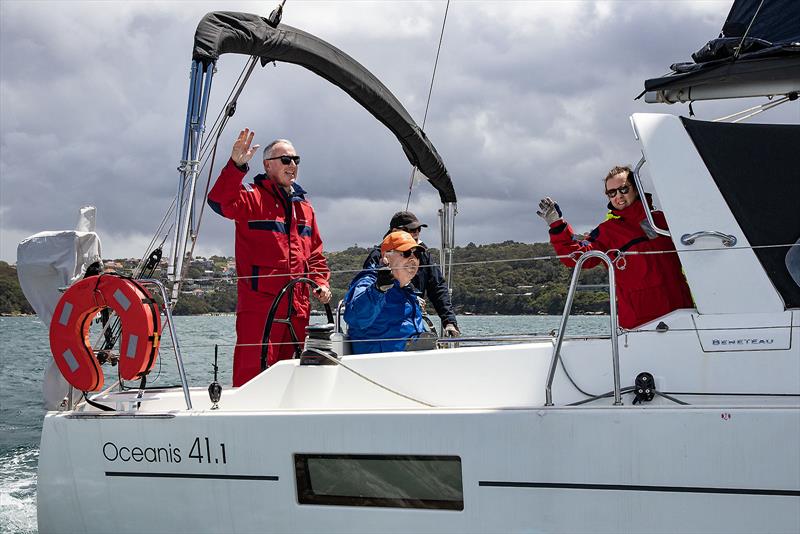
<point x="565" y="316"/>
<point x="175" y="347"/>
<point x="649" y="214"/>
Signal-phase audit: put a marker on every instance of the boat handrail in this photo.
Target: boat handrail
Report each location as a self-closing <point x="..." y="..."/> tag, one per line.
<point x="728" y="240"/>
<point x="175" y="346"/>
<point x="563" y="328"/>
<point x="647" y="211"/>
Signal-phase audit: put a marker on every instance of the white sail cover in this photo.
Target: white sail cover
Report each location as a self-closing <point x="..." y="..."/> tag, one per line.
<point x="46" y="262"/>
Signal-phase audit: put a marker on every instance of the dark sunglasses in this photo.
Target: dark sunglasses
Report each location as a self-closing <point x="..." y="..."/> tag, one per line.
<point x="407" y="253"/>
<point x="623" y="190"/>
<point x="286" y="160"/>
<point x="410" y="231"/>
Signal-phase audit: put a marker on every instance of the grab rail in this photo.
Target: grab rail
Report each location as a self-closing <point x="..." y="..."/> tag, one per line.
<point x="175" y="348"/>
<point x="647" y="211"/>
<point x="727" y="240"/>
<point x="563" y="328"/>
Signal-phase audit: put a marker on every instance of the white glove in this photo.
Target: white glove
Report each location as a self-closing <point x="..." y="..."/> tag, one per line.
<point x="549" y="210"/>
<point x="451" y="330"/>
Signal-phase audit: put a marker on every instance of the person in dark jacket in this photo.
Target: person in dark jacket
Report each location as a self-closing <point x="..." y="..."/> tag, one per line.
<point x="381" y="310"/>
<point x="429" y="281"/>
<point x="276" y="240"/>
<point x="651" y="285"/>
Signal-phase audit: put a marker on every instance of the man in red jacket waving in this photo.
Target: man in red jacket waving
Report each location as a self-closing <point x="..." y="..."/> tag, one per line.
<point x="276" y="240"/>
<point x="651" y="285"/>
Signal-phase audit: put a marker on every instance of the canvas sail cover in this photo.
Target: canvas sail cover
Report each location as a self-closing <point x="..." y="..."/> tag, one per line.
<point x="47" y="262"/>
<point x="225" y="32"/>
<point x="767" y="35"/>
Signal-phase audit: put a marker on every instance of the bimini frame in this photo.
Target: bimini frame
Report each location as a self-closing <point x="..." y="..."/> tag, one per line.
<point x="241" y="33"/>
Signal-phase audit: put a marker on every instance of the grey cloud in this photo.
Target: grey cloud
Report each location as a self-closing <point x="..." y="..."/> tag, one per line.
<point x="531" y="99"/>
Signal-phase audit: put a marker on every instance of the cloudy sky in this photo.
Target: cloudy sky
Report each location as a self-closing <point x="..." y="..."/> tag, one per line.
<point x="530" y="99"/>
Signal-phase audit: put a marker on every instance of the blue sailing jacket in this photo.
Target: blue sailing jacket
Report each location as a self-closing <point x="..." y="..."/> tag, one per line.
<point x="378" y="321"/>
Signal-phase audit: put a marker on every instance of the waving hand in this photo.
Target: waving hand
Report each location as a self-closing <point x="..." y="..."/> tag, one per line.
<point x="242" y="151"/>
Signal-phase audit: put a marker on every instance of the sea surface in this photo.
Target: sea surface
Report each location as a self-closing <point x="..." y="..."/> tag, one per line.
<point x="24" y="355"/>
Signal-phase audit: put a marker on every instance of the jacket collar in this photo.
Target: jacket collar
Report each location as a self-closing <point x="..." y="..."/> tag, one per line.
<point x="635" y="210"/>
<point x="298" y="193"/>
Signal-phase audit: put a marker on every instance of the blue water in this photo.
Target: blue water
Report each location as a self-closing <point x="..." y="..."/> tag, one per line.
<point x="24" y="354"/>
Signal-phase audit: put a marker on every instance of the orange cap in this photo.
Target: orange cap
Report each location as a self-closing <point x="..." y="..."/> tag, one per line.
<point x="401" y="241"/>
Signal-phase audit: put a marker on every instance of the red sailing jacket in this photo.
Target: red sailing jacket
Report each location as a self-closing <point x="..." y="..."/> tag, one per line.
<point x="651" y="285"/>
<point x="276" y="234"/>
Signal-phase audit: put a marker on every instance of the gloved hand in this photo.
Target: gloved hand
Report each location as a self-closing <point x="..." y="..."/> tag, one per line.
<point x="451" y="330"/>
<point x="649" y="231"/>
<point x="549" y="210"/>
<point x="385" y="279"/>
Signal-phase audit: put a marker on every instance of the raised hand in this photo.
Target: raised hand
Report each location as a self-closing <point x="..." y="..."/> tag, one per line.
<point x="242" y="152"/>
<point x="549" y="210"/>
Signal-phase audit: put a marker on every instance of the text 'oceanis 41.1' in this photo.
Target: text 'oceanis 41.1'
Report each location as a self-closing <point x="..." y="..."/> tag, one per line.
<point x="699" y="430"/>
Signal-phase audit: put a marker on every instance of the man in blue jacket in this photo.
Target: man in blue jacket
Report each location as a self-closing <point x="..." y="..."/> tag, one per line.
<point x="428" y="281"/>
<point x="381" y="310"/>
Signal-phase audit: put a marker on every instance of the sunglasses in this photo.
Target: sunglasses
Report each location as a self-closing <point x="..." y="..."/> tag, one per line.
<point x="416" y="230"/>
<point x="408" y="253"/>
<point x="623" y="190"/>
<point x="286" y="160"/>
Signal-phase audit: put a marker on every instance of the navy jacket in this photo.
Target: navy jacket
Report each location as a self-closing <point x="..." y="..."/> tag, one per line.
<point x="428" y="282"/>
<point x="378" y="321"/>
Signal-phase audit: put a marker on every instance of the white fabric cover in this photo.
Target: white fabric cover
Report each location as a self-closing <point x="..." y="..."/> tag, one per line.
<point x="46" y="262"/>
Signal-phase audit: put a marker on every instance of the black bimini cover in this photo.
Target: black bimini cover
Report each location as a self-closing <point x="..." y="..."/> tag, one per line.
<point x="224" y="32"/>
<point x="770" y="50"/>
<point x="757" y="169"/>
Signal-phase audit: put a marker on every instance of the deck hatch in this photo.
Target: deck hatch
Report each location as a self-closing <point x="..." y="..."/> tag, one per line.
<point x="391" y="481"/>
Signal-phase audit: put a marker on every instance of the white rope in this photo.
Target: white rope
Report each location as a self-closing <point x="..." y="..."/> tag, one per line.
<point x="371" y="381"/>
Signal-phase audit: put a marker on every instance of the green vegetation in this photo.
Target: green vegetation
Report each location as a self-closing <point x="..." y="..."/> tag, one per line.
<point x="12" y="301"/>
<point x="500" y="278"/>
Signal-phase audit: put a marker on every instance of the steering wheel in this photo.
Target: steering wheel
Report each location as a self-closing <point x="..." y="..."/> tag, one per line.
<point x="288" y="289"/>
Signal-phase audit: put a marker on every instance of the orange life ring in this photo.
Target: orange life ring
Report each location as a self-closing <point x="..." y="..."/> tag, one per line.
<point x="69" y="329"/>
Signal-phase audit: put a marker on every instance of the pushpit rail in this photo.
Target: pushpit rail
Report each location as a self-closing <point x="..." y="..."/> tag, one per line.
<point x="565" y="316"/>
<point x="175" y="346"/>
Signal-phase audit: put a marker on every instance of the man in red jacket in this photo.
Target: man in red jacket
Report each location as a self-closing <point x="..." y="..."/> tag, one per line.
<point x="276" y="240"/>
<point x="651" y="285"/>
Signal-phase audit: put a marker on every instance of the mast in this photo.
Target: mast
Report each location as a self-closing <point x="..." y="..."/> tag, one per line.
<point x="189" y="169"/>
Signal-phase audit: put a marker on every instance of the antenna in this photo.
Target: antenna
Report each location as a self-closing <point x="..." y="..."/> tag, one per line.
<point x="276" y="15"/>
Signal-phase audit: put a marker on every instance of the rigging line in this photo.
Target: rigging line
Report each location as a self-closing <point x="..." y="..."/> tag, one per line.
<point x="518" y="339"/>
<point x="430" y="92"/>
<point x="504" y="260"/>
<point x="205" y="193"/>
<point x="148" y="250"/>
<point x="371" y="381"/>
<point x="755" y="110"/>
<point x="229" y="108"/>
<point x="764" y="108"/>
<point x="744" y="36"/>
<point x="140" y="266"/>
<point x="224" y="108"/>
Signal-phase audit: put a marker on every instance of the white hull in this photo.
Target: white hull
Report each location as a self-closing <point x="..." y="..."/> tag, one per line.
<point x="721" y="464"/>
<point x="461" y="440"/>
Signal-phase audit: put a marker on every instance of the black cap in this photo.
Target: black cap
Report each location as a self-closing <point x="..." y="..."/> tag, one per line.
<point x="406" y="219"/>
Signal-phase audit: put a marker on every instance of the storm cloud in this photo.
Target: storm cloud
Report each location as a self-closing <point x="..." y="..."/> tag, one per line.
<point x="530" y="99"/>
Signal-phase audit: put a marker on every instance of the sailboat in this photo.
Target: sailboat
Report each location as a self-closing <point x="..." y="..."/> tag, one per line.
<point x="688" y="423"/>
